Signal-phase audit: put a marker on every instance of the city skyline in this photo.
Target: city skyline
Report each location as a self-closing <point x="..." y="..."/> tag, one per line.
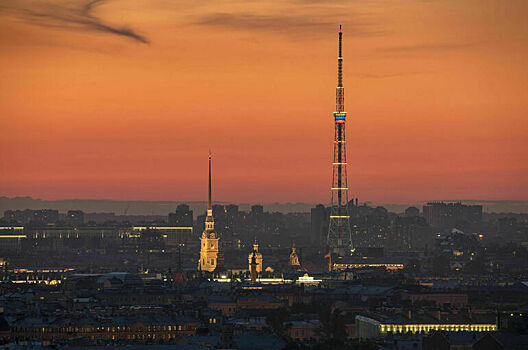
<point x="122" y="104"/>
<point x="391" y="215"/>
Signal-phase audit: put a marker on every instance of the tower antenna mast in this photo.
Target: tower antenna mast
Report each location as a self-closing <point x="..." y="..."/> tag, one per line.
<point x="339" y="237"/>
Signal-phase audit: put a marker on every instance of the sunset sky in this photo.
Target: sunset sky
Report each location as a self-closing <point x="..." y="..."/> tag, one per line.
<point x="116" y="99"/>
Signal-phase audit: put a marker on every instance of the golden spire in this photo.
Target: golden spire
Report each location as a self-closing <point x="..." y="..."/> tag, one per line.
<point x="209" y="205"/>
<point x="209" y="220"/>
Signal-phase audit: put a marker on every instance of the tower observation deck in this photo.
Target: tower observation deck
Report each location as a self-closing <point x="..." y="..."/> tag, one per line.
<point x="339" y="235"/>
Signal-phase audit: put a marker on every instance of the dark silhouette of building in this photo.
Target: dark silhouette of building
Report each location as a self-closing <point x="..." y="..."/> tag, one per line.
<point x="5" y="331"/>
<point x="412" y="212"/>
<point x="75" y="217"/>
<point x="409" y="233"/>
<point x="35" y="217"/>
<point x="231" y="213"/>
<point x="452" y="215"/>
<point x="182" y="217"/>
<point x="318" y="225"/>
<point x="257" y="209"/>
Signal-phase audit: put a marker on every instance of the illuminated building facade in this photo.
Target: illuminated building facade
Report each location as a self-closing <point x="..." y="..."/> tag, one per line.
<point x="11" y="238"/>
<point x="121" y="329"/>
<point x="339" y="235"/>
<point x="294" y="258"/>
<point x="367" y="327"/>
<point x="337" y="266"/>
<point x="257" y="256"/>
<point x="209" y="251"/>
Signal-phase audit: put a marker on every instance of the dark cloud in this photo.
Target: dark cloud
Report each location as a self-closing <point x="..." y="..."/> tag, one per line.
<point x="259" y="22"/>
<point x="297" y="26"/>
<point x="72" y="15"/>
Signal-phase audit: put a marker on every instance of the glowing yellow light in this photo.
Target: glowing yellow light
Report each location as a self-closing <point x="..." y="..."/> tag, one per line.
<point x="141" y="228"/>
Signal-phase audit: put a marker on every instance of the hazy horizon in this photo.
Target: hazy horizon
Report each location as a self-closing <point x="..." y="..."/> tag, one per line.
<point x="142" y="207"/>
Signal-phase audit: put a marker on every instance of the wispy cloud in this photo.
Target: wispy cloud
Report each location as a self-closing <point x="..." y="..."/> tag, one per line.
<point x="71" y="15"/>
<point x="298" y="26"/>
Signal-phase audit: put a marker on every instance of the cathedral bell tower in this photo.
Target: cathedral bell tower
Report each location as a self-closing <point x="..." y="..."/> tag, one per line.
<point x="257" y="256"/>
<point x="209" y="247"/>
<point x="294" y="258"/>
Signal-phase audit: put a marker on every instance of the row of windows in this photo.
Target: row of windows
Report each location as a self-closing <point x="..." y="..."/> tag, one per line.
<point x="443" y="327"/>
<point x="105" y="329"/>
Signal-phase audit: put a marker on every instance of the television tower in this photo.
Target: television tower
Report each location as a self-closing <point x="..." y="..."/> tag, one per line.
<point x="339" y="235"/>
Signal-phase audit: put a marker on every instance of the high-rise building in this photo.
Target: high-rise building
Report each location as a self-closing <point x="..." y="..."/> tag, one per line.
<point x="218" y="210"/>
<point x="219" y="214"/>
<point x="35" y="217"/>
<point x="409" y="233"/>
<point x="452" y="215"/>
<point x="209" y="247"/>
<point x="45" y="216"/>
<point x="182" y="217"/>
<point x="231" y="218"/>
<point x="318" y="225"/>
<point x="339" y="235"/>
<point x="257" y="209"/>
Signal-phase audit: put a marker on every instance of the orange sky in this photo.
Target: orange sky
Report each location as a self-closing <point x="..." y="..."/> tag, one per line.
<point x="123" y="100"/>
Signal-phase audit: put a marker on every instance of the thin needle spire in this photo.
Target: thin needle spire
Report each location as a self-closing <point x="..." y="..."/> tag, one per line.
<point x="209" y="204"/>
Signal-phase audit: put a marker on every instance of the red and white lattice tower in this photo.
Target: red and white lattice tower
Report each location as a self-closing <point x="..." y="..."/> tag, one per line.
<point x="339" y="234"/>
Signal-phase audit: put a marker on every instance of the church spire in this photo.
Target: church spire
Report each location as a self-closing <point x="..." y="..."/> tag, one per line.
<point x="209" y="205"/>
<point x="209" y="220"/>
<point x="210" y="256"/>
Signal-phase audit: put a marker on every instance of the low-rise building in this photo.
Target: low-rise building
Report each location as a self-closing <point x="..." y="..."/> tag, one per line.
<point x="373" y="326"/>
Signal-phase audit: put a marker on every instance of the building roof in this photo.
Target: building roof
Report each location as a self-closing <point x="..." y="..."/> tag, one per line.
<point x="253" y="341"/>
<point x="220" y="299"/>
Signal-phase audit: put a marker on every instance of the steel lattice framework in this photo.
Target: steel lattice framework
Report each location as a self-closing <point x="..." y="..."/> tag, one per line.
<point x="339" y="235"/>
